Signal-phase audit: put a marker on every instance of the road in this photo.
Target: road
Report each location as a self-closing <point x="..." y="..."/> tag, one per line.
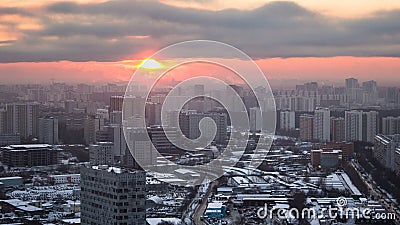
<point x="201" y="208"/>
<point x="372" y="191"/>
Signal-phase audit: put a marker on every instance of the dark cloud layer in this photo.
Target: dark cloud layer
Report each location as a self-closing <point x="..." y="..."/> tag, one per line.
<point x="14" y="11"/>
<point x="106" y="31"/>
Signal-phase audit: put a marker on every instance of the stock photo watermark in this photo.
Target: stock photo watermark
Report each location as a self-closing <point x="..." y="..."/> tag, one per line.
<point x="340" y="211"/>
<point x="194" y="55"/>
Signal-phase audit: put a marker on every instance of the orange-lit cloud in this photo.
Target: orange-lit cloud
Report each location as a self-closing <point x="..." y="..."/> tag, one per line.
<point x="101" y="41"/>
<point x="116" y="30"/>
<point x="347" y="9"/>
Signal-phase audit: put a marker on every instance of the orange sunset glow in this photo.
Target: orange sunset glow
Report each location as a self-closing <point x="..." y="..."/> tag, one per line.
<point x="150" y="64"/>
<point x="275" y="69"/>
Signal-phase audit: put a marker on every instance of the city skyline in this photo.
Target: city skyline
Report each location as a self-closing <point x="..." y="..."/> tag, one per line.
<point x="194" y="112"/>
<point x="91" y="160"/>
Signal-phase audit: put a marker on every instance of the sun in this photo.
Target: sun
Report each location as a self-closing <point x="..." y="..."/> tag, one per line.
<point x="150" y="64"/>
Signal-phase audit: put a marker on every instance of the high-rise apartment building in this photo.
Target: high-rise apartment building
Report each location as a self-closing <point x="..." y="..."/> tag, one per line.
<point x="113" y="195"/>
<point x="70" y="106"/>
<point x="141" y="148"/>
<point x="158" y="136"/>
<point x="22" y="119"/>
<point x="370" y="126"/>
<point x="116" y="103"/>
<point x="3" y="119"/>
<point x="390" y="125"/>
<point x="352" y="90"/>
<point x="370" y="92"/>
<point x="306" y="127"/>
<point x="353" y="120"/>
<point x="392" y="95"/>
<point x="338" y="129"/>
<point x="322" y="124"/>
<point x="385" y="150"/>
<point x="133" y="105"/>
<point x="255" y="119"/>
<point x="361" y="126"/>
<point x="295" y="103"/>
<point x="89" y="130"/>
<point x="153" y="113"/>
<point x="287" y="120"/>
<point x="190" y="121"/>
<point x="48" y="130"/>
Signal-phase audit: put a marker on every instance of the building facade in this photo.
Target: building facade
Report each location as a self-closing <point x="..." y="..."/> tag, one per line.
<point x="101" y="153"/>
<point x="322" y="125"/>
<point x="22" y="119"/>
<point x="113" y="195"/>
<point x="385" y="147"/>
<point x="158" y="136"/>
<point x="338" y="129"/>
<point x="306" y="127"/>
<point x="326" y="158"/>
<point x="361" y="126"/>
<point x="9" y="139"/>
<point x="48" y="131"/>
<point x="255" y="119"/>
<point x="30" y="155"/>
<point x="287" y="120"/>
<point x="390" y="125"/>
<point x="64" y="179"/>
<point x="190" y="121"/>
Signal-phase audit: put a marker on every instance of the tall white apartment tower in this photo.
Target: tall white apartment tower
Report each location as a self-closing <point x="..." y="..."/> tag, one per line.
<point x="370" y="125"/>
<point x="287" y="120"/>
<point x="22" y="119"/>
<point x="322" y="124"/>
<point x="361" y="126"/>
<point x="48" y="130"/>
<point x="352" y="87"/>
<point x="255" y="119"/>
<point x="353" y="125"/>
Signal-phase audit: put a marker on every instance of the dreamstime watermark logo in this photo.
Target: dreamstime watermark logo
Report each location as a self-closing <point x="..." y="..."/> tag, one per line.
<point x="340" y="211"/>
<point x="206" y="70"/>
<point x="341" y="202"/>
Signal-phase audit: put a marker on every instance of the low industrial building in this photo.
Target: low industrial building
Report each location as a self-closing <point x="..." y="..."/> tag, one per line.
<point x="30" y="155"/>
<point x="215" y="210"/>
<point x="11" y="181"/>
<point x="326" y="158"/>
<point x="64" y="179"/>
<point x="16" y="205"/>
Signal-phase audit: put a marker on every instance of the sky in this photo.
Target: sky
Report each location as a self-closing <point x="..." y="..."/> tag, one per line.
<point x="291" y="41"/>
